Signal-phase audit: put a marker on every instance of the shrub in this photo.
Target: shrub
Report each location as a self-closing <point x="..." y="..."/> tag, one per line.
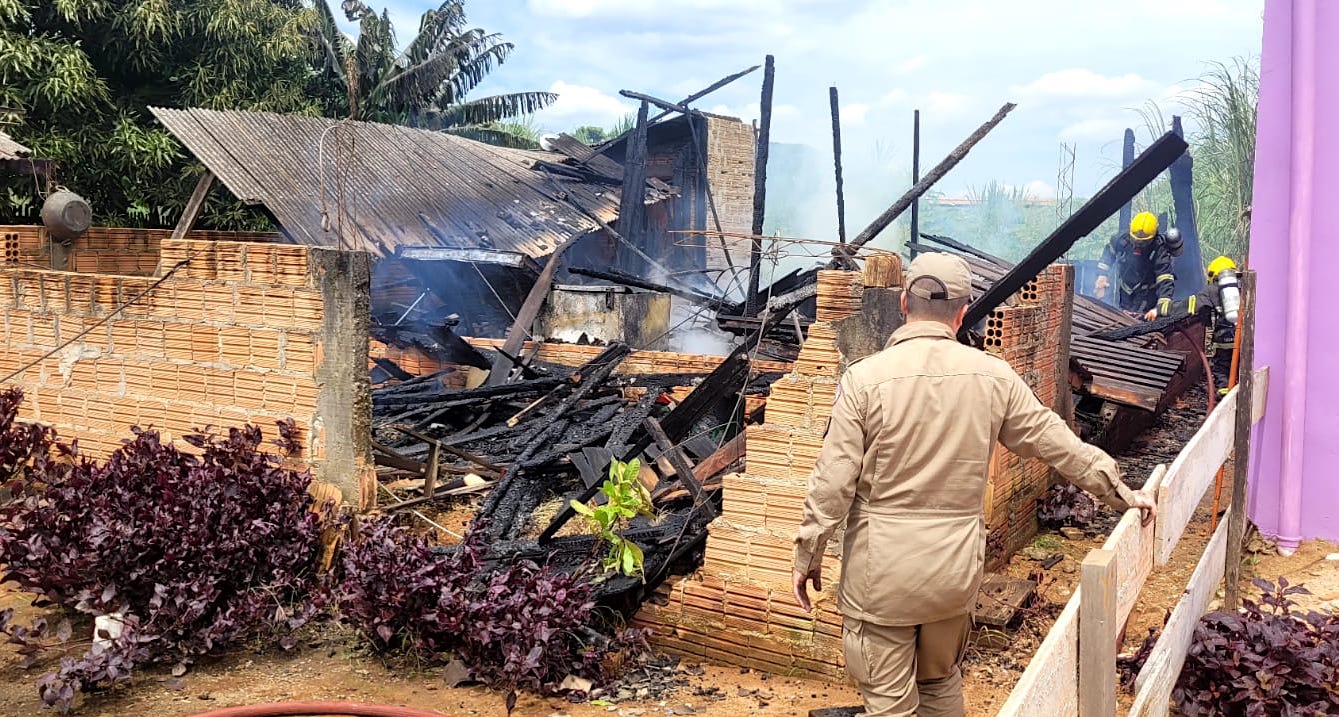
<point x="1264" y="661"/>
<point x="524" y="626"/>
<point x="1066" y="505"/>
<point x="189" y="553"/>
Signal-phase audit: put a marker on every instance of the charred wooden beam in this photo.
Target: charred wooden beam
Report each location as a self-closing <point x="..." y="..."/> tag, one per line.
<point x="843" y="255"/>
<point x="1107" y="201"/>
<point x="718" y="84"/>
<point x="391" y="368"/>
<point x="682" y="469"/>
<point x="837" y="163"/>
<point x="632" y="202"/>
<point x="619" y="277"/>
<point x="464" y="396"/>
<point x="915" y="175"/>
<point x="520" y="328"/>
<point x="194" y="206"/>
<point x="761" y="143"/>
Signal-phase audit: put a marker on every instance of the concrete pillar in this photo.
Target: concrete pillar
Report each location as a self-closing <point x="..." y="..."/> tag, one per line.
<point x="342" y="434"/>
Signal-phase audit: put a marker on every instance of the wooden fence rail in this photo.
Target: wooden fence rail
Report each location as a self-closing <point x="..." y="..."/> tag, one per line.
<point x="1074" y="669"/>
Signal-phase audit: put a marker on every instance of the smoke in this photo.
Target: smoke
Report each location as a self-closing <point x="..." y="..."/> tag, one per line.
<point x="693" y="331"/>
<point x="802" y="198"/>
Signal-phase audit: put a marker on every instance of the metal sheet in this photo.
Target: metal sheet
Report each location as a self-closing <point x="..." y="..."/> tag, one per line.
<point x="9" y="149"/>
<point x="376" y="187"/>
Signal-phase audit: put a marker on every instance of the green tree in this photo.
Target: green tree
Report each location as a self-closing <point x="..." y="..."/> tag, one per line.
<point x="77" y="76"/>
<point x="427" y="83"/>
<point x="590" y="134"/>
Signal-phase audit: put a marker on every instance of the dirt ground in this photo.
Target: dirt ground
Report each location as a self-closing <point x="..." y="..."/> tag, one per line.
<point x="333" y="668"/>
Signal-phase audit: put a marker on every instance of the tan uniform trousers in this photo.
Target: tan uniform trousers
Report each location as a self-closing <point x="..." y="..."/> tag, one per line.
<point x="909" y="671"/>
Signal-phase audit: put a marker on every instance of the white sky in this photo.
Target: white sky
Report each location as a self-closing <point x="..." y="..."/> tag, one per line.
<point x="1078" y="69"/>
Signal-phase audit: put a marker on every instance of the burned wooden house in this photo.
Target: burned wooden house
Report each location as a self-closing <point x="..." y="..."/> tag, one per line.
<point x="462" y="230"/>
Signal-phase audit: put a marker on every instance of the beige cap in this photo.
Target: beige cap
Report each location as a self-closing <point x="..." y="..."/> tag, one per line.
<point x="938" y="275"/>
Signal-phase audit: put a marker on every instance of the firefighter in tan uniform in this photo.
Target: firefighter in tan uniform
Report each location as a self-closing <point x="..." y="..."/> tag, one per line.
<point x="904" y="464"/>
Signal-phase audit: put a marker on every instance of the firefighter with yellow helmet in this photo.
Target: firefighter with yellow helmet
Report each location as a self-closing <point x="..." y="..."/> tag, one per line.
<point x="1145" y="282"/>
<point x="1218" y="303"/>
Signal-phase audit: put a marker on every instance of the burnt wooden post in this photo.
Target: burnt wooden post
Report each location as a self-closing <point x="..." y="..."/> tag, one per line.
<point x="1126" y="159"/>
<point x="1241" y="456"/>
<point x="915" y="177"/>
<point x="194" y="206"/>
<point x="1126" y="214"/>
<point x="837" y="164"/>
<point x="1189" y="267"/>
<point x="632" y="202"/>
<point x="760" y="183"/>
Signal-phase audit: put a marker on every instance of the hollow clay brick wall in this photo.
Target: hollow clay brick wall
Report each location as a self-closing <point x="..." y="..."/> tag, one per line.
<point x="738" y="609"/>
<point x="1030" y="335"/>
<point x="244" y="333"/>
<point x="106" y="250"/>
<point x="729" y="149"/>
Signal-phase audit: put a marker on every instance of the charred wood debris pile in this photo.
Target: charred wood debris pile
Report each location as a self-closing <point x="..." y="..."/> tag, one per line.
<point x="547" y="434"/>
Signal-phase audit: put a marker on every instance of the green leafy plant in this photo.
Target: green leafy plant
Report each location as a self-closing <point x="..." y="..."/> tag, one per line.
<point x="625" y="499"/>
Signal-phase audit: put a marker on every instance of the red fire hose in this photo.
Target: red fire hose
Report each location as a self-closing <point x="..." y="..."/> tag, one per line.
<point x="298" y="709"/>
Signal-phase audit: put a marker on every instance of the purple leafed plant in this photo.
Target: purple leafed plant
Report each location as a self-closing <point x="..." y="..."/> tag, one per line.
<point x="524" y="626"/>
<point x="193" y="552"/>
<point x="1268" y="660"/>
<point x="1066" y="505"/>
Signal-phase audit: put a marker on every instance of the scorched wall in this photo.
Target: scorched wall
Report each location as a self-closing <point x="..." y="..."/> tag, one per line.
<point x="242" y="333"/>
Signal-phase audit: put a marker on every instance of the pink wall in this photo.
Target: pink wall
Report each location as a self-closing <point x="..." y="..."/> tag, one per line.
<point x="1294" y="491"/>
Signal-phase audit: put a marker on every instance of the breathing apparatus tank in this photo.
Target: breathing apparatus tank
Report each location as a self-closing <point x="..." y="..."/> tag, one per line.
<point x="1175" y="244"/>
<point x="1229" y="294"/>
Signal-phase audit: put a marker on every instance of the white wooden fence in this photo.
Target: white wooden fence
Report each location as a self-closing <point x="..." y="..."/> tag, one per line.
<point x="1074" y="669"/>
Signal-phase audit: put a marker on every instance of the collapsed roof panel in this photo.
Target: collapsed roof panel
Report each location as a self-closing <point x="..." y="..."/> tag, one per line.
<point x="392" y="186"/>
<point x="9" y="149"/>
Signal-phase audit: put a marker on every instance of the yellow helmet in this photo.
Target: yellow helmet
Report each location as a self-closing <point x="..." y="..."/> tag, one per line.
<point x="1144" y="226"/>
<point x="1218" y="265"/>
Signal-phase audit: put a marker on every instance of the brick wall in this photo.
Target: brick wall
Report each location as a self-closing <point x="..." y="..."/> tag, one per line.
<point x="738" y="609"/>
<point x="104" y="250"/>
<point x="244" y="333"/>
<point x="730" y="147"/>
<point x="1033" y="336"/>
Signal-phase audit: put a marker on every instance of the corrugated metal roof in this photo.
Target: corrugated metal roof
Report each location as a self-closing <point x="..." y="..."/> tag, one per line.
<point x="9" y="149"/>
<point x="401" y="186"/>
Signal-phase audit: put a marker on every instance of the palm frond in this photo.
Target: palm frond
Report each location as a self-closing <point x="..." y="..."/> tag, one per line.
<point x="436" y="30"/>
<point x="501" y="137"/>
<point x="476" y="60"/>
<point x="496" y="108"/>
<point x="335" y="45"/>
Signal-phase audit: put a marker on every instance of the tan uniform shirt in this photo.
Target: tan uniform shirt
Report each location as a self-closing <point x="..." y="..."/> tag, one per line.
<point x="905" y="463"/>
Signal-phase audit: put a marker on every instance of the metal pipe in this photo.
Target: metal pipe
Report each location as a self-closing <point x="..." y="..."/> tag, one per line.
<point x="1300" y="231"/>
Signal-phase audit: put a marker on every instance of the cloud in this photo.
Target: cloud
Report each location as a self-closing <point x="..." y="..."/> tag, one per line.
<point x="854" y="113"/>
<point x="581" y="105"/>
<point x="945" y="103"/>
<point x="893" y="97"/>
<point x="910" y="65"/>
<point x="1039" y="189"/>
<point x="1098" y="129"/>
<point x="1082" y="82"/>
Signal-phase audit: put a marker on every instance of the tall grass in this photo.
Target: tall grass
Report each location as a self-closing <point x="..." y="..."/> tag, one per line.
<point x="1224" y="108"/>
